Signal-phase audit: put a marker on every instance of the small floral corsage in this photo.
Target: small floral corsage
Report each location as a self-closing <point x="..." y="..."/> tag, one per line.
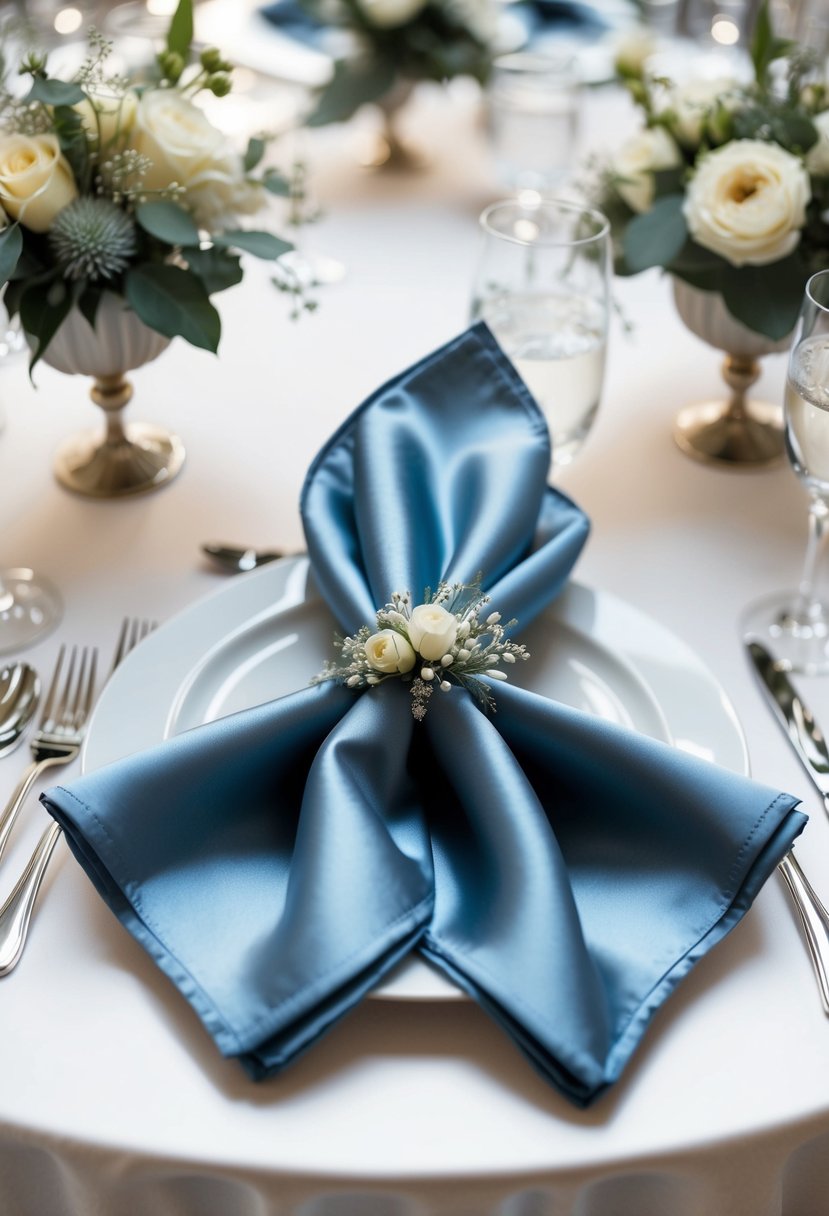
<point x="436" y="644"/>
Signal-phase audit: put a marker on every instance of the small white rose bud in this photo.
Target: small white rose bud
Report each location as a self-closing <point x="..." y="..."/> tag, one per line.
<point x="463" y="629"/>
<point x="493" y="618"/>
<point x="445" y="686"/>
<point x="353" y="681"/>
<point x="426" y="673"/>
<point x="492" y="660"/>
<point x="508" y="657"/>
<point x="372" y="679"/>
<point x="447" y="661"/>
<point x="463" y="655"/>
<point x="497" y="675"/>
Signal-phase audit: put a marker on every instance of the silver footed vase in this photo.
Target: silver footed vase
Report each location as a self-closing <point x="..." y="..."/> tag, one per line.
<point x="125" y="457"/>
<point x="733" y="430"/>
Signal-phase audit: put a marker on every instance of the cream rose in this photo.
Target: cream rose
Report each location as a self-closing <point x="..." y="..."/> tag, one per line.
<point x="389" y="13"/>
<point x="176" y="137"/>
<point x="632" y="50"/>
<point x="35" y="179"/>
<point x="107" y="117"/>
<point x="692" y="103"/>
<point x="218" y="193"/>
<point x="636" y="161"/>
<point x="747" y="202"/>
<point x="432" y="630"/>
<point x="389" y="652"/>
<point x="817" y="158"/>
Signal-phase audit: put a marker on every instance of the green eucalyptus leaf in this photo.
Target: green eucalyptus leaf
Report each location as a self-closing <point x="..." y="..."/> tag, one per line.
<point x="355" y="82"/>
<point x="55" y="92"/>
<point x="261" y="244"/>
<point x="794" y="131"/>
<point x="173" y="302"/>
<point x="254" y="153"/>
<point x="656" y="237"/>
<point x="180" y="31"/>
<point x="276" y="183"/>
<point x="11" y="247"/>
<point x="766" y="298"/>
<point x="71" y="133"/>
<point x="43" y="308"/>
<point x="216" y="268"/>
<point x="168" y="222"/>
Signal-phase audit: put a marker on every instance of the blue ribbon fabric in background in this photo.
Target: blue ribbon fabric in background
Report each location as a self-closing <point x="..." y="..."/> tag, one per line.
<point x="564" y="871"/>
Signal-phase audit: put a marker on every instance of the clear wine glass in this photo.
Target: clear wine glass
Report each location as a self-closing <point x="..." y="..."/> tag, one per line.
<point x="542" y="286"/>
<point x="29" y="608"/>
<point x="796" y="622"/>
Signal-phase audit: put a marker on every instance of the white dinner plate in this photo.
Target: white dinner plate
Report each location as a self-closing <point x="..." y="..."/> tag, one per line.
<point x="267" y="633"/>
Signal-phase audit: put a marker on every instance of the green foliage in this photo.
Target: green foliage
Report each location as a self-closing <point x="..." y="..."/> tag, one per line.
<point x="11" y="247"/>
<point x="656" y="237"/>
<point x="173" y="302"/>
<point x="216" y="268"/>
<point x="354" y="83"/>
<point x="765" y="46"/>
<point x="54" y="92"/>
<point x="261" y="244"/>
<point x="43" y="309"/>
<point x="180" y="32"/>
<point x="167" y="222"/>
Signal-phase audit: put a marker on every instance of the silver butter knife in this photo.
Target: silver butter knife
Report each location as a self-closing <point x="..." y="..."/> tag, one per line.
<point x="809" y="744"/>
<point x="794" y="715"/>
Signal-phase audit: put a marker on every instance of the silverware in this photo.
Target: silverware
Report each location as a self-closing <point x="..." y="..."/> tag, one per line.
<point x="19" y="697"/>
<point x="237" y="561"/>
<point x="60" y="732"/>
<point x="16" y="912"/>
<point x="794" y="716"/>
<point x="808" y="742"/>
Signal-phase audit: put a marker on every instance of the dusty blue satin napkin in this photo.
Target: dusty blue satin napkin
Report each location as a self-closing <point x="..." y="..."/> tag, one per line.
<point x="563" y="871"/>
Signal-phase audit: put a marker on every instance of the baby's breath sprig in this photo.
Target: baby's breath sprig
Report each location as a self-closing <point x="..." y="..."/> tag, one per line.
<point x="443" y="641"/>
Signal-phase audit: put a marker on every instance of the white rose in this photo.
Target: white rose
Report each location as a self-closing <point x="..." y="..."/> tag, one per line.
<point x="633" y="49"/>
<point x="636" y="161"/>
<point x="35" y="179"/>
<point x="817" y="158"/>
<point x="692" y="103"/>
<point x="218" y="193"/>
<point x="432" y="630"/>
<point x="389" y="651"/>
<point x="107" y="117"/>
<point x="389" y="13"/>
<point x="747" y="202"/>
<point x="176" y="136"/>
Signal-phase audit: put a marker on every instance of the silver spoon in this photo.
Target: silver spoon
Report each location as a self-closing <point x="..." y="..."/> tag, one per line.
<point x="236" y="561"/>
<point x="19" y="695"/>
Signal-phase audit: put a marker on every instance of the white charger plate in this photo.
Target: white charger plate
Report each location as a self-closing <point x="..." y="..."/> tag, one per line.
<point x="267" y="633"/>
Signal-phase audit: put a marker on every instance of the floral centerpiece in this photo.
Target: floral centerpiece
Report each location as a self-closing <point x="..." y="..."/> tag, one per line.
<point x="726" y="185"/>
<point x="399" y="42"/>
<point x="125" y="186"/>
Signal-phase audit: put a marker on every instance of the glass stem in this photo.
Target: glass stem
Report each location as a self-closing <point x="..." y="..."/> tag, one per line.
<point x="818" y="515"/>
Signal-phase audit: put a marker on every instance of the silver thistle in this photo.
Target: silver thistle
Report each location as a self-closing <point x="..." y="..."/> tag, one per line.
<point x="92" y="239"/>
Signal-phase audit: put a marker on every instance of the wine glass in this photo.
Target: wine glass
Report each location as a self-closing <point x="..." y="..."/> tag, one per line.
<point x="29" y="608"/>
<point x="796" y="623"/>
<point x="542" y="287"/>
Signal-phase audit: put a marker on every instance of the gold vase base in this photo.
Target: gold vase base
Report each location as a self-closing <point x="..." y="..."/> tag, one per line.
<point x="749" y="438"/>
<point x="147" y="458"/>
<point x="387" y="152"/>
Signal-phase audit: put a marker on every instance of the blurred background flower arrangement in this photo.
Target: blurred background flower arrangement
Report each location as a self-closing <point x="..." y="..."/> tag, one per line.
<point x="395" y="43"/>
<point x="726" y="185"/>
<point x="112" y="184"/>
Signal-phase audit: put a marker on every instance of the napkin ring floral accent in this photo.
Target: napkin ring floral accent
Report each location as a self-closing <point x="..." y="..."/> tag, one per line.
<point x="445" y="640"/>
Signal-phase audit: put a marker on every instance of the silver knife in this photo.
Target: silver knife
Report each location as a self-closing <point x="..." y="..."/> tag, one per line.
<point x="809" y="744"/>
<point x="794" y="715"/>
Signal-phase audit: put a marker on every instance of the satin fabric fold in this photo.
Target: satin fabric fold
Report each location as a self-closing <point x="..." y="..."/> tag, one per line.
<point x="564" y="872"/>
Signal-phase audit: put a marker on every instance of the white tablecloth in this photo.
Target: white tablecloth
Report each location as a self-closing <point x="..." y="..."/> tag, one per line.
<point x="113" y="1102"/>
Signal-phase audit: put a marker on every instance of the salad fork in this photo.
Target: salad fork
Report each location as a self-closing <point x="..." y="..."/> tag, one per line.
<point x="60" y="731"/>
<point x="16" y="912"/>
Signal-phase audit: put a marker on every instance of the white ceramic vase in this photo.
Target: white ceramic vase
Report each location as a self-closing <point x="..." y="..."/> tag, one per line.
<point x="734" y="431"/>
<point x="127" y="459"/>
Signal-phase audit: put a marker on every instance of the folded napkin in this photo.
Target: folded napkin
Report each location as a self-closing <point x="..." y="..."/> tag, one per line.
<point x="563" y="871"/>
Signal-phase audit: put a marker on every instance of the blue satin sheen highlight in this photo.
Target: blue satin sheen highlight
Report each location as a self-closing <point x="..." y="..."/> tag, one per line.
<point x="563" y="871"/>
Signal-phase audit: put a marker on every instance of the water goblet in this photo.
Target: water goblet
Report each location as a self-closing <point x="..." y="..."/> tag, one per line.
<point x="796" y="622"/>
<point x="542" y="287"/>
<point x="29" y="608"/>
<point x="533" y="111"/>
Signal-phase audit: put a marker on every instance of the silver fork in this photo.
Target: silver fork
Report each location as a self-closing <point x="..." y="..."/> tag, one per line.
<point x="16" y="912"/>
<point x="60" y="731"/>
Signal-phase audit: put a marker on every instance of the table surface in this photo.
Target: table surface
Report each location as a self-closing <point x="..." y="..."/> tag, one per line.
<point x="98" y="1054"/>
